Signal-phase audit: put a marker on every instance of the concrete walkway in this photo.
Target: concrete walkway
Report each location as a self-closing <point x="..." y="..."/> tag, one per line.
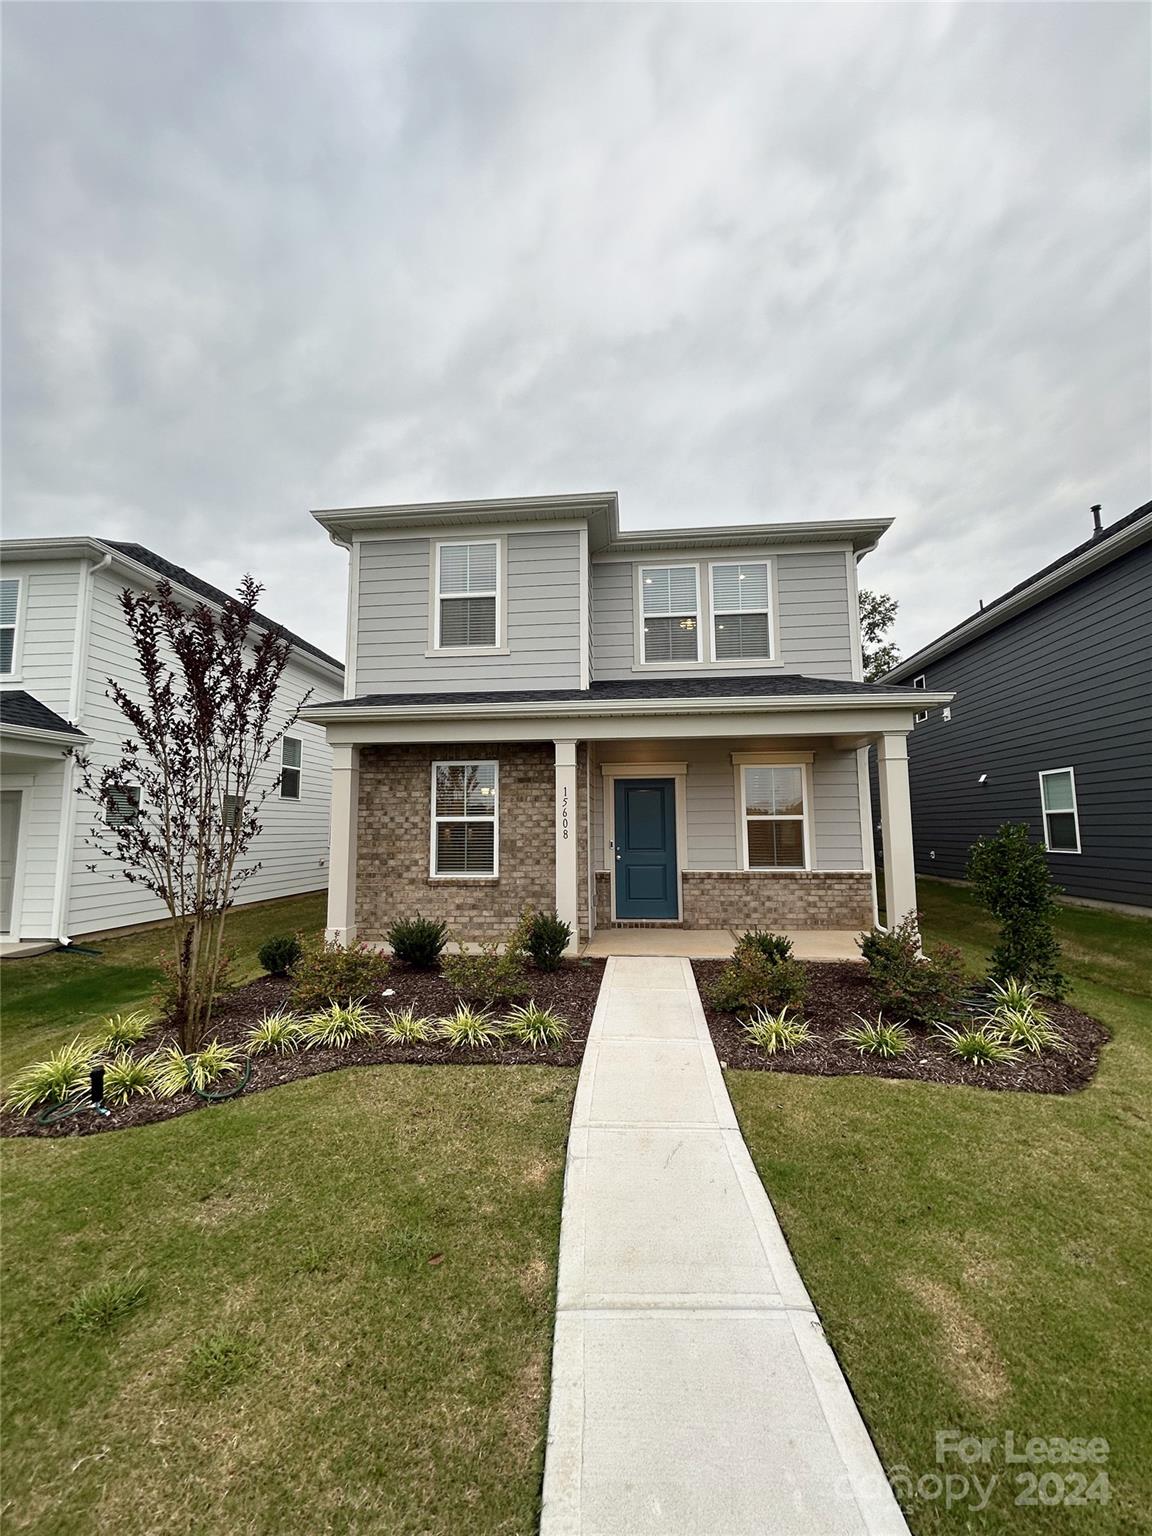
<point x="693" y="1392"/>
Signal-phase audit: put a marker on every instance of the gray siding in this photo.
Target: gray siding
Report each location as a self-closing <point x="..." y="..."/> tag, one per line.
<point x="542" y="619"/>
<point x="813" y="620"/>
<point x="1067" y="684"/>
<point x="710" y="789"/>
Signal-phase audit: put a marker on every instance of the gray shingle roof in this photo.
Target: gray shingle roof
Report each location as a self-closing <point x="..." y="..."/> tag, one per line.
<point x="765" y="685"/>
<point x="20" y="708"/>
<point x="212" y="594"/>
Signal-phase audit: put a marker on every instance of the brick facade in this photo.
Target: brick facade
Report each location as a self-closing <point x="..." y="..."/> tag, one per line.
<point x="394" y="840"/>
<point x="740" y="899"/>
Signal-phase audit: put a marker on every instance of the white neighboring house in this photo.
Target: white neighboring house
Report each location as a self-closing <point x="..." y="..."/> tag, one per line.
<point x="62" y="635"/>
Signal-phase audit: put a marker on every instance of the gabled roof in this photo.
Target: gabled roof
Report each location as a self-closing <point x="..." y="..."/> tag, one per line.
<point x="601" y="511"/>
<point x="1102" y="549"/>
<point x="22" y="710"/>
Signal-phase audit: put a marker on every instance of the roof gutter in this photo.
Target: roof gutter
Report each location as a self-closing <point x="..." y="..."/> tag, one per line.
<point x="34" y="736"/>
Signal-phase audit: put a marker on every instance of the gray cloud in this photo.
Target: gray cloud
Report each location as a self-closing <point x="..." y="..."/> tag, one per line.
<point x="735" y="262"/>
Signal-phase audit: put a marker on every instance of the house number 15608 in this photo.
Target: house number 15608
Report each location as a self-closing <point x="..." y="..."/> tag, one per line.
<point x="564" y="814"/>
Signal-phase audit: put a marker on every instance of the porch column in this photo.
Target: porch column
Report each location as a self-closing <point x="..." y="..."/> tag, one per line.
<point x="342" y="845"/>
<point x="567" y="842"/>
<point x="896" y="827"/>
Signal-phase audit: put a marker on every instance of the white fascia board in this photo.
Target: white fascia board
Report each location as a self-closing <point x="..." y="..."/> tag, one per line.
<point x="1093" y="558"/>
<point x="598" y="510"/>
<point x="862" y="534"/>
<point x="34" y="736"/>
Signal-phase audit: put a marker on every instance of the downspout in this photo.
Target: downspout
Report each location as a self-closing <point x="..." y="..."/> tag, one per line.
<point x="61" y="897"/>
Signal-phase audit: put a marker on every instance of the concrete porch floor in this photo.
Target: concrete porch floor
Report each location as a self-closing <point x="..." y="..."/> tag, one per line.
<point x="24" y="949"/>
<point x="716" y="943"/>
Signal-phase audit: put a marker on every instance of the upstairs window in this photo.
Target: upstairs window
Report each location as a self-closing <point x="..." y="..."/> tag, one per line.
<point x="464" y="818"/>
<point x="1061" y="821"/>
<point x="290" y="755"/>
<point x="774" y="817"/>
<point x="921" y="714"/>
<point x="741" y="613"/>
<point x="671" y="613"/>
<point x="9" y="613"/>
<point x="122" y="805"/>
<point x="467" y="592"/>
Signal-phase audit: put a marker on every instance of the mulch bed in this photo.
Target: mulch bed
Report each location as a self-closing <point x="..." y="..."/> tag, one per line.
<point x="837" y="991"/>
<point x="571" y="992"/>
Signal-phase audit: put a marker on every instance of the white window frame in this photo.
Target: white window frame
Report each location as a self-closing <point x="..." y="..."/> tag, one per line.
<point x="1049" y="773"/>
<point x="296" y="768"/>
<point x="920" y="682"/>
<point x="17" y="626"/>
<point x="770" y="611"/>
<point x="465" y="762"/>
<point x="667" y="565"/>
<point x="803" y="761"/>
<point x="438" y="597"/>
<point x="125" y="819"/>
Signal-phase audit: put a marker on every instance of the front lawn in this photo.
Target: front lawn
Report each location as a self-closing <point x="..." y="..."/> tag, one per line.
<point x="50" y="998"/>
<point x="982" y="1261"/>
<point x="346" y="1313"/>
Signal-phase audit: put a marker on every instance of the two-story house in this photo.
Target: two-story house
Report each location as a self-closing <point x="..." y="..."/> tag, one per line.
<point x="62" y="636"/>
<point x="632" y="727"/>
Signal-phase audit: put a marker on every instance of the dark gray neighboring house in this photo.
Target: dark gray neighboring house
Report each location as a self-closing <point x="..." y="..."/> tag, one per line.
<point x="1051" y="723"/>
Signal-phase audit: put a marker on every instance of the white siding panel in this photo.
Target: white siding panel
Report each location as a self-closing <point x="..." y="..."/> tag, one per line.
<point x="42" y="783"/>
<point x="49" y="599"/>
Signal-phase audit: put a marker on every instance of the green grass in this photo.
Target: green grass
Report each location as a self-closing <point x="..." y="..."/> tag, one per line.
<point x="982" y="1261"/>
<point x="50" y="998"/>
<point x="343" y="1319"/>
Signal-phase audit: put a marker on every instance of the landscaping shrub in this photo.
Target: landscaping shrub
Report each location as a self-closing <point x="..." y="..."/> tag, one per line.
<point x="124" y="1029"/>
<point x="534" y="1026"/>
<point x="773" y="946"/>
<point x="873" y="1037"/>
<point x="197" y="1072"/>
<point x="404" y="1026"/>
<point x="417" y="941"/>
<point x="979" y="1044"/>
<point x="325" y="973"/>
<point x="486" y="976"/>
<point x="469" y="1027"/>
<point x="1019" y="995"/>
<point x="924" y="988"/>
<point x="751" y="981"/>
<point x="774" y="1032"/>
<point x="126" y="1075"/>
<point x="97" y="1308"/>
<point x="1011" y="877"/>
<point x="51" y="1082"/>
<point x="278" y="1032"/>
<point x="278" y="955"/>
<point x="339" y="1024"/>
<point x="1020" y="1026"/>
<point x="544" y="937"/>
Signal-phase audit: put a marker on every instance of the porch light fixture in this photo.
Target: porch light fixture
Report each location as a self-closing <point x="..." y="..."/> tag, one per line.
<point x="983" y="779"/>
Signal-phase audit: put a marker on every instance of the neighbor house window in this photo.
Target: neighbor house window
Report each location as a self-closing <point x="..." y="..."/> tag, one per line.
<point x="9" y="612"/>
<point x="671" y="613"/>
<point x="920" y="682"/>
<point x="467" y="577"/>
<point x="774" y="808"/>
<point x="122" y="805"/>
<point x="1061" y="822"/>
<point x="464" y="818"/>
<point x="741" y="616"/>
<point x="290" y="768"/>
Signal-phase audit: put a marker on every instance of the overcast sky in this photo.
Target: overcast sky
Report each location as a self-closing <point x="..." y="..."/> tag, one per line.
<point x="750" y="262"/>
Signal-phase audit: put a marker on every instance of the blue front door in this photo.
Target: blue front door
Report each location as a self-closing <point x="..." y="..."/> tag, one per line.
<point x="645" y="852"/>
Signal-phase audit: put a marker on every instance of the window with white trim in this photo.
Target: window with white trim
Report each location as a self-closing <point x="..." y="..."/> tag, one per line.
<point x="774" y="816"/>
<point x="670" y="606"/>
<point x="290" y="760"/>
<point x="465" y="823"/>
<point x="1061" y="819"/>
<point x="741" y="611"/>
<point x="467" y="595"/>
<point x="920" y="682"/>
<point x="9" y="613"/>
<point x="122" y="805"/>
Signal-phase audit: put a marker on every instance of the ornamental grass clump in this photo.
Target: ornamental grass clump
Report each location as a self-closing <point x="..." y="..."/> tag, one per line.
<point x="198" y="1072"/>
<point x="469" y="1027"/>
<point x="338" y="1025"/>
<point x="127" y="1076"/>
<point x="277" y="1033"/>
<point x="536" y="1027"/>
<point x="1019" y="995"/>
<point x="64" y="1073"/>
<point x="773" y="1032"/>
<point x="121" y="1029"/>
<point x="979" y="1044"/>
<point x="1023" y="1028"/>
<point x="874" y="1037"/>
<point x="405" y="1026"/>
